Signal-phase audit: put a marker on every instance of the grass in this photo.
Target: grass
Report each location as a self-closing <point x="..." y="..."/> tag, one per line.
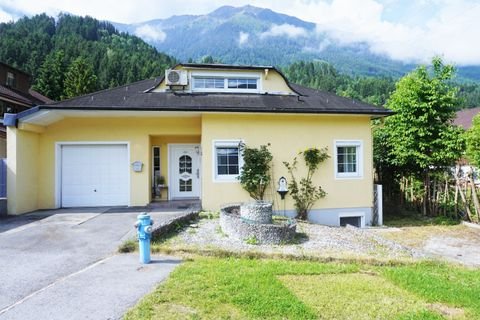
<point x="232" y="288"/>
<point x="129" y="245"/>
<point x="411" y="219"/>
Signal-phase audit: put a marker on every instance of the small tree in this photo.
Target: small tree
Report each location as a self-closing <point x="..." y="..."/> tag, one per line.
<point x="51" y="75"/>
<point x="305" y="193"/>
<point x="80" y="78"/>
<point x="420" y="136"/>
<point x="255" y="176"/>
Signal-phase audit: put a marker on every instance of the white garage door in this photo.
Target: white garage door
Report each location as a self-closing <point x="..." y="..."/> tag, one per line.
<point x="94" y="175"/>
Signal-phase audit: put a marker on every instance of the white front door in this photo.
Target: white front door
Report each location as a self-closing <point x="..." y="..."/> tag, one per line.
<point x="184" y="171"/>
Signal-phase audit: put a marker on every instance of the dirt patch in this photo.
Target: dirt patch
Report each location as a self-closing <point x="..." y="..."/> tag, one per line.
<point x="457" y="243"/>
<point x="449" y="312"/>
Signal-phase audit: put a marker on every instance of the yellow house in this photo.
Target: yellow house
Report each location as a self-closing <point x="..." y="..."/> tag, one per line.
<point x="178" y="138"/>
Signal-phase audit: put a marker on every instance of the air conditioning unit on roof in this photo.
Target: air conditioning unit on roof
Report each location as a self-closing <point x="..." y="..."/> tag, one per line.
<point x="176" y="77"/>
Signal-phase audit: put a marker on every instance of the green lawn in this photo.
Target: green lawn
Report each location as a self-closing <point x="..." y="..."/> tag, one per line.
<point x="232" y="288"/>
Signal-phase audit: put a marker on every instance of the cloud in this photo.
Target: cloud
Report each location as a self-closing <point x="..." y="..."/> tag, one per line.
<point x="6" y="17"/>
<point x="318" y="46"/>
<point x="149" y="33"/>
<point x="285" y="29"/>
<point x="452" y="32"/>
<point x="243" y="38"/>
<point x="8" y="14"/>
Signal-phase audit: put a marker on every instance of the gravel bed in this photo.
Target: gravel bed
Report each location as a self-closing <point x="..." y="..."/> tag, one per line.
<point x="312" y="240"/>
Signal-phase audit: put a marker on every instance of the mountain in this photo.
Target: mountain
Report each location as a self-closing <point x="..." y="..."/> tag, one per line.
<point x="252" y="35"/>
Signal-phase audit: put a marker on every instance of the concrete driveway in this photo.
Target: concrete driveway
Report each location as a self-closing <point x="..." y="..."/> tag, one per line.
<point x="62" y="264"/>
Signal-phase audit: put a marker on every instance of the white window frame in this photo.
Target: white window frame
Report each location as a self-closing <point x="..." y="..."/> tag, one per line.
<point x="358" y="144"/>
<point x="225" y="76"/>
<point x="225" y="144"/>
<point x="10" y="81"/>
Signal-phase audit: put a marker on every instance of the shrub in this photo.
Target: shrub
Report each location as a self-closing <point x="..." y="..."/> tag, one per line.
<point x="255" y="176"/>
<point x="304" y="193"/>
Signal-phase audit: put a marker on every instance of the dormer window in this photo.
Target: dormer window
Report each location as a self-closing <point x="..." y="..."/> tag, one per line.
<point x="225" y="83"/>
<point x="10" y="79"/>
<point x="208" y="83"/>
<point x="242" y="83"/>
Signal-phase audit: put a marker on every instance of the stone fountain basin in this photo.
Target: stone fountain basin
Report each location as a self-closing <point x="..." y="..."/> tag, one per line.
<point x="236" y="226"/>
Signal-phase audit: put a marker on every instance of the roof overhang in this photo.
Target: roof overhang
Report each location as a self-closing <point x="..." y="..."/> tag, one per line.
<point x="45" y="116"/>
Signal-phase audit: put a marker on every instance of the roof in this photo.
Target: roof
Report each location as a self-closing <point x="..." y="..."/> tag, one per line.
<point x="232" y="67"/>
<point x="464" y="117"/>
<point x="135" y="96"/>
<point x="225" y="66"/>
<point x="31" y="98"/>
<point x="139" y="96"/>
<point x="16" y="69"/>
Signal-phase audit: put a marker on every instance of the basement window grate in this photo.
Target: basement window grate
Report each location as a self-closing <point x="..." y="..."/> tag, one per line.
<point x="354" y="221"/>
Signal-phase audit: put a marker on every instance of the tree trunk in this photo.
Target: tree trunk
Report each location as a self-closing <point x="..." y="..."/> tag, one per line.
<point x="412" y="196"/>
<point x="462" y="196"/>
<point x="426" y="192"/>
<point x="474" y="194"/>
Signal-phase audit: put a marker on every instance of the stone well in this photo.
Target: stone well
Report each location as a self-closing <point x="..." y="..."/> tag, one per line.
<point x="258" y="211"/>
<point x="235" y="225"/>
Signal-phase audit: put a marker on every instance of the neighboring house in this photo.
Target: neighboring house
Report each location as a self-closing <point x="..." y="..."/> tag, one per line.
<point x="464" y="117"/>
<point x="15" y="96"/>
<point x="106" y="148"/>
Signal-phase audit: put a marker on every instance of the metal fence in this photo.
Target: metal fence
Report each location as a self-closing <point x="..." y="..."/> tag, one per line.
<point x="3" y="178"/>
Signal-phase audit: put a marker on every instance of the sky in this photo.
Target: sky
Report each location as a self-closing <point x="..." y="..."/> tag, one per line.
<point x="406" y="30"/>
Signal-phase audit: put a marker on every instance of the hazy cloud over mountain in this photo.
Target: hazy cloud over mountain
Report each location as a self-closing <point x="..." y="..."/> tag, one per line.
<point x="150" y="33"/>
<point x="243" y="38"/>
<point x="285" y="29"/>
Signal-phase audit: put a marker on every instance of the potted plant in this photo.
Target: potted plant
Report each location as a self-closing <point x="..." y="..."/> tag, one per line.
<point x="255" y="178"/>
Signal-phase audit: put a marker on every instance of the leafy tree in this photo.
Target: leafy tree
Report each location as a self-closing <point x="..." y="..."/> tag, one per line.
<point x="80" y="78"/>
<point x="473" y="142"/>
<point x="420" y="136"/>
<point x="51" y="76"/>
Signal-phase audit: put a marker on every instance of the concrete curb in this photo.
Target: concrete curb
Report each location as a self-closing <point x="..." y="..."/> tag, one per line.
<point x="170" y="225"/>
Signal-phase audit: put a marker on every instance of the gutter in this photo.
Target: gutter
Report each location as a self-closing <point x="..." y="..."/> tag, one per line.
<point x="11" y="119"/>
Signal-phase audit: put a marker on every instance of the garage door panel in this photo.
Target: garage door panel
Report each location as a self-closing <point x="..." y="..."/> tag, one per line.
<point x="94" y="175"/>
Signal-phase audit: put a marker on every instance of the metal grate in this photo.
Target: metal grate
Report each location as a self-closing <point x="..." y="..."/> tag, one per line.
<point x="353" y="221"/>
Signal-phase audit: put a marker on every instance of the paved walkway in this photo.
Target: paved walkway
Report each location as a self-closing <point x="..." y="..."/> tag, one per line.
<point x="61" y="264"/>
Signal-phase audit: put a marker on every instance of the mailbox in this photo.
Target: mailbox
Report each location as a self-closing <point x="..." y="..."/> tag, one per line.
<point x="282" y="187"/>
<point x="137" y="166"/>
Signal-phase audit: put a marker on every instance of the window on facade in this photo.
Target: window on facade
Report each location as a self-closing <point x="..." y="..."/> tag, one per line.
<point x="222" y="83"/>
<point x="348" y="156"/>
<point x="227" y="160"/>
<point x="10" y="79"/>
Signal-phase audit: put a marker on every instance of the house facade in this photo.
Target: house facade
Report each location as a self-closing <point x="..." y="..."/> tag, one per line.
<point x="178" y="138"/>
<point x="15" y="96"/>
